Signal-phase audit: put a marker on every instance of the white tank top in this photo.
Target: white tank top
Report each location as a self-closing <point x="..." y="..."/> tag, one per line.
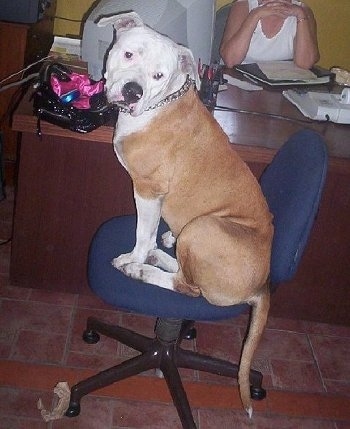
<point x="280" y="47"/>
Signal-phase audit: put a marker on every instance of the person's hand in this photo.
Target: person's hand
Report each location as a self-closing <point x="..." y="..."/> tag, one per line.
<point x="282" y="8"/>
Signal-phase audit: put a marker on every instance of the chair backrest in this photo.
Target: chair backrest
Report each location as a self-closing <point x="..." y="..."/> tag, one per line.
<point x="292" y="185"/>
<point x="220" y="21"/>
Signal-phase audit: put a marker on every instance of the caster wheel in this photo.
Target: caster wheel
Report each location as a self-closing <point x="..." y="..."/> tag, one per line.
<point x="257" y="393"/>
<point x="91" y="337"/>
<point x="191" y="334"/>
<point x="73" y="410"/>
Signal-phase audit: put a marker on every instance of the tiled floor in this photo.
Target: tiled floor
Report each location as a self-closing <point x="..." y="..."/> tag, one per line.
<point x="306" y="366"/>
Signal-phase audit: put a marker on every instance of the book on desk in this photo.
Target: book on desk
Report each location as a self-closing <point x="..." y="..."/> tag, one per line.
<point x="284" y="73"/>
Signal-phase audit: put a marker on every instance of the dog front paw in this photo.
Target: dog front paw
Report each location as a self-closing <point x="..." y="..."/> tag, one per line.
<point x="134" y="270"/>
<point x="121" y="260"/>
<point x="168" y="239"/>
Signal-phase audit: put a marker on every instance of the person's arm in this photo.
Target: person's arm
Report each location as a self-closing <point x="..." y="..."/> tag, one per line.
<point x="238" y="32"/>
<point x="306" y="52"/>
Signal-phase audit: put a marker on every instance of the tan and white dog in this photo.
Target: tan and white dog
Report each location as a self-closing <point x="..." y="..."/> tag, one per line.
<point x="185" y="170"/>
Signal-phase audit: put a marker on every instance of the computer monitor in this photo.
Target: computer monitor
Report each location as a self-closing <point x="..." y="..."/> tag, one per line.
<point x="24" y="11"/>
<point x="188" y="22"/>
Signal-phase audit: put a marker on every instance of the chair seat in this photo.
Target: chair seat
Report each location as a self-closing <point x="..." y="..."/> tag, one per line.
<point x="117" y="236"/>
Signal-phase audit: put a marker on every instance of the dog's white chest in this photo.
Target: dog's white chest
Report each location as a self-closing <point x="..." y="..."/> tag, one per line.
<point x="127" y="125"/>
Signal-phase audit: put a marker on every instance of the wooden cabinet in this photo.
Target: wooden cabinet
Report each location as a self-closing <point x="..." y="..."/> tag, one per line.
<point x="13" y="40"/>
<point x="20" y="45"/>
<point x="66" y="189"/>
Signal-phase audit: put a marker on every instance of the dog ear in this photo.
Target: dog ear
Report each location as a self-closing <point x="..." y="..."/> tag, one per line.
<point x="122" y="21"/>
<point x="188" y="65"/>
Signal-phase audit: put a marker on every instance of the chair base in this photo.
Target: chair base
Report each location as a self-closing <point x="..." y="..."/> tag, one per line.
<point x="162" y="352"/>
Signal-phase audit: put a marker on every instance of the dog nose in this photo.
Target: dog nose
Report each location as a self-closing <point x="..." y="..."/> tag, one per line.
<point x="132" y="92"/>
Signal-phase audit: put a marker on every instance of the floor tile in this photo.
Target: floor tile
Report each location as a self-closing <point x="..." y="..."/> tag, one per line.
<point x="337" y="387"/>
<point x="92" y="302"/>
<point x="22" y="423"/>
<point x="50" y="318"/>
<point x="296" y="375"/>
<point x="228" y="420"/>
<point x="52" y="297"/>
<point x="105" y="345"/>
<point x="130" y="414"/>
<point x="285" y="324"/>
<point x="284" y="345"/>
<point x="332" y="354"/>
<point x="301" y="404"/>
<point x="222" y="341"/>
<point x="39" y="347"/>
<point x="96" y="413"/>
<point x="21" y="403"/>
<point x="96" y="362"/>
<point x="342" y="425"/>
<point x="144" y="325"/>
<point x="14" y="292"/>
<point x="325" y="329"/>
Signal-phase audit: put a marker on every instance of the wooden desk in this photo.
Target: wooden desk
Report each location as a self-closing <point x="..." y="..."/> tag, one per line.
<point x="70" y="183"/>
<point x="257" y="135"/>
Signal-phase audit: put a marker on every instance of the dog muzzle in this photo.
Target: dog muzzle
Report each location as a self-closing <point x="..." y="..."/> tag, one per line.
<point x="132" y="94"/>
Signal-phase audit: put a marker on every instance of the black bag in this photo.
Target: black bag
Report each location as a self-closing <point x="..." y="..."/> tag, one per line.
<point x="60" y="110"/>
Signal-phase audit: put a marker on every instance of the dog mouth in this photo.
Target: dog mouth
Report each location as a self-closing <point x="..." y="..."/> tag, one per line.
<point x="130" y="95"/>
<point x="123" y="105"/>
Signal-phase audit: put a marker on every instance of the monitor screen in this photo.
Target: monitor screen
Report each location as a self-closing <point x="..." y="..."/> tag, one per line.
<point x="23" y="11"/>
<point x="188" y="22"/>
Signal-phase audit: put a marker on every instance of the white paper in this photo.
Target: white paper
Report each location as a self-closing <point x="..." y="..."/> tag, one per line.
<point x="66" y="45"/>
<point x="285" y="70"/>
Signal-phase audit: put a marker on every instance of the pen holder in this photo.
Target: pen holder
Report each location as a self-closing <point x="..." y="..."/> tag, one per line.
<point x="211" y="78"/>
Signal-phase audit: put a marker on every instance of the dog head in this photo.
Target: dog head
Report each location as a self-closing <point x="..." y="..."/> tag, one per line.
<point x="143" y="66"/>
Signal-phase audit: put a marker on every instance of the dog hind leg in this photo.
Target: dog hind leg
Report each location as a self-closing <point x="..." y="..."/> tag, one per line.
<point x="161" y="259"/>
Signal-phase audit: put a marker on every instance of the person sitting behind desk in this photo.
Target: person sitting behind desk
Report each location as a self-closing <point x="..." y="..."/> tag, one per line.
<point x="270" y="30"/>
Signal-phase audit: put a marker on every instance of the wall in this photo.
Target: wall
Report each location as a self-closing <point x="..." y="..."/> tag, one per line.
<point x="333" y="19"/>
<point x="71" y="9"/>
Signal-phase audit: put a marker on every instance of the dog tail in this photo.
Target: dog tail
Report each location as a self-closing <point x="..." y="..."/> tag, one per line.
<point x="260" y="308"/>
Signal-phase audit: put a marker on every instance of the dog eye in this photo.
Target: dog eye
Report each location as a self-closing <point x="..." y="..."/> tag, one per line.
<point x="158" y="76"/>
<point x="128" y="55"/>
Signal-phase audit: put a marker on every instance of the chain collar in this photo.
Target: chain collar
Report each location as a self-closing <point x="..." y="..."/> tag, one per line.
<point x="170" y="98"/>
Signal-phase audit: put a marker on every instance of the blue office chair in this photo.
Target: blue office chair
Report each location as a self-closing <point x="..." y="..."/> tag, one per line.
<point x="292" y="184"/>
